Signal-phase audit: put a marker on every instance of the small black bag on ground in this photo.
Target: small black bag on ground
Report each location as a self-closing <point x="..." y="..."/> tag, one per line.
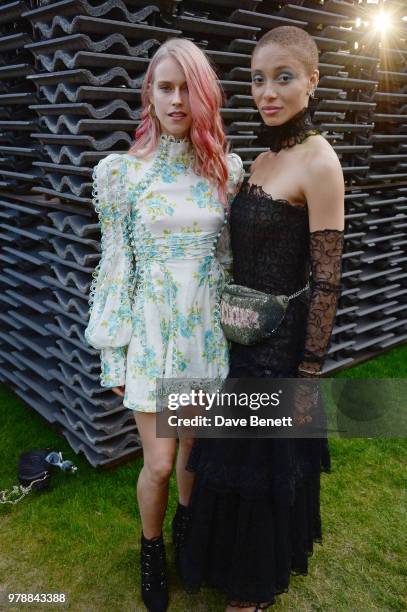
<point x="33" y="466"/>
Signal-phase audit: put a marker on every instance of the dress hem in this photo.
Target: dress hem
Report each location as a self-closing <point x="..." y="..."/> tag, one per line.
<point x="260" y="605"/>
<point x="140" y="408"/>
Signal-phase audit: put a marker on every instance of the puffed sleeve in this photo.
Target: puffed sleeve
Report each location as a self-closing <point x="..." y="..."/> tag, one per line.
<point x="326" y="247"/>
<point x="110" y="315"/>
<point x="235" y="179"/>
<point x="236" y="174"/>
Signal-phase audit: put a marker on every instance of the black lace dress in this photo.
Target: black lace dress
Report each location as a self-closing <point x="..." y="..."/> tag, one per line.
<point x="255" y="504"/>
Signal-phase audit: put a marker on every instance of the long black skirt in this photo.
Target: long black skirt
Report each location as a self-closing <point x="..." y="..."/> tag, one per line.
<point x="255" y="515"/>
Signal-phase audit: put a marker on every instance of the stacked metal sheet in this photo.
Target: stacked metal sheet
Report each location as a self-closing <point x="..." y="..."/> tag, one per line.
<point x="90" y="62"/>
<point x="371" y="317"/>
<point x="25" y="362"/>
<point x="382" y="314"/>
<point x="70" y="78"/>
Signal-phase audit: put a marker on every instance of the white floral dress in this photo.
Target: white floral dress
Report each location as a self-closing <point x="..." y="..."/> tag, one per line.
<point x="154" y="303"/>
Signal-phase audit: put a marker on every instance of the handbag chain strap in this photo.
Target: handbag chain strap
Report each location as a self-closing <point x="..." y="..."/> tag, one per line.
<point x="6" y="496"/>
<point x="293" y="295"/>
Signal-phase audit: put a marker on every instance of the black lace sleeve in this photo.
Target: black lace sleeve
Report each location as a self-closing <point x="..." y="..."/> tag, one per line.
<point x="326" y="247"/>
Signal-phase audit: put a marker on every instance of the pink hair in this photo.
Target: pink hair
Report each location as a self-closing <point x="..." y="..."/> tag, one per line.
<point x="205" y="97"/>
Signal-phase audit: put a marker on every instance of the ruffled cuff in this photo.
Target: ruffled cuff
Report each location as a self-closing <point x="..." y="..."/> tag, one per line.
<point x="113" y="364"/>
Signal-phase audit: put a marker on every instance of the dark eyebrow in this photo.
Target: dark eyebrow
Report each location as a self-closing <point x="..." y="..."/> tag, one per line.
<point x="276" y="68"/>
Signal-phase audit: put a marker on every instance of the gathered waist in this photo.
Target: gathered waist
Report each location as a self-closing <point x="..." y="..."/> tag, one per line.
<point x="176" y="260"/>
<point x="176" y="247"/>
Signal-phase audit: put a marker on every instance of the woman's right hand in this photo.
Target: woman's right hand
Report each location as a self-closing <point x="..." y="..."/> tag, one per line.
<point x="119" y="390"/>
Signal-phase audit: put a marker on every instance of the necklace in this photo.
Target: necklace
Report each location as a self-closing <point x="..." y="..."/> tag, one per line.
<point x="292" y="132"/>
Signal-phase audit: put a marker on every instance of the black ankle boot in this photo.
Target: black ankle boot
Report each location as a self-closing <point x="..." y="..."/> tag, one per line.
<point x="180" y="524"/>
<point x="154" y="589"/>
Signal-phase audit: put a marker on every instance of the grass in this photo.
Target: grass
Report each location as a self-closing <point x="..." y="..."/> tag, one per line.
<point x="82" y="536"/>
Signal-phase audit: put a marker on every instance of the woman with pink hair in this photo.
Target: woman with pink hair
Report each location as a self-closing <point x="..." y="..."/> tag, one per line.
<point x="153" y="306"/>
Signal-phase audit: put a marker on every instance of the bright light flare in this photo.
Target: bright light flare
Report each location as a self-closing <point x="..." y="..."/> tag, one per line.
<point x="382" y="22"/>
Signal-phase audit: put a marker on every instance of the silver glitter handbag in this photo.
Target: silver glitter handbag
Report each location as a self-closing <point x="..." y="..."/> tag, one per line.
<point x="249" y="316"/>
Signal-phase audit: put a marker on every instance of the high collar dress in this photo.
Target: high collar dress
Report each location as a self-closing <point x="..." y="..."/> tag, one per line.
<point x="154" y="304"/>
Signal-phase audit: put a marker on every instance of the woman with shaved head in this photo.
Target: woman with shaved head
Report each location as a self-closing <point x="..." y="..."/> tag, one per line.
<point x="254" y="511"/>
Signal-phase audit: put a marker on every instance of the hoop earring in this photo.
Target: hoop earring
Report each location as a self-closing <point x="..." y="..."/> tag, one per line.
<point x="151" y="111"/>
<point x="311" y="93"/>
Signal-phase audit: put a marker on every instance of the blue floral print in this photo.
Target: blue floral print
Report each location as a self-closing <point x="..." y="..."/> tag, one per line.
<point x="154" y="295"/>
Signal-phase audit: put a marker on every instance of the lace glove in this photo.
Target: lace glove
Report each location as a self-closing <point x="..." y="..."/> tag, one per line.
<point x="306" y="403"/>
<point x="326" y="247"/>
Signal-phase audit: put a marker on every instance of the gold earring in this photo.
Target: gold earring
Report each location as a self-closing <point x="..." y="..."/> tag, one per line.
<point x="151" y="111"/>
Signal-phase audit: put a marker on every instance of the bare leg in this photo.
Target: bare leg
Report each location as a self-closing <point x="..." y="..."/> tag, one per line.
<point x="185" y="479"/>
<point x="152" y="485"/>
<point x="234" y="609"/>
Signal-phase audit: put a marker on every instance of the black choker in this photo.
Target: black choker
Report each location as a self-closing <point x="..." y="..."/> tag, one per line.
<point x="292" y="132"/>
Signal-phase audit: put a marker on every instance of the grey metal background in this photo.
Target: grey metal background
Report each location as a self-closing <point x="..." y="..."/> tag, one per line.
<point x="70" y="77"/>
